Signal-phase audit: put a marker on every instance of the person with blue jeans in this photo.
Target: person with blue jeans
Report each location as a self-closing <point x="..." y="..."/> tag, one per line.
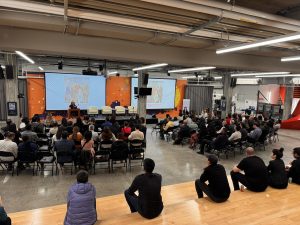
<point x="4" y="219"/>
<point x="149" y="201"/>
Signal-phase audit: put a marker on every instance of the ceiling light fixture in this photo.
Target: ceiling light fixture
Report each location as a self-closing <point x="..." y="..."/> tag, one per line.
<point x="112" y="72"/>
<point x="292" y="58"/>
<point x="192" y="69"/>
<point x="268" y="41"/>
<point x="149" y="66"/>
<point x="41" y="68"/>
<point x="25" y="57"/>
<point x="3" y="67"/>
<point x="218" y="78"/>
<point x="190" y="77"/>
<point x="258" y="74"/>
<point x="286" y="75"/>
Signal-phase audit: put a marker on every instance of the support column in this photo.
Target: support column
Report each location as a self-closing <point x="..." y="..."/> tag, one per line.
<point x="289" y="93"/>
<point x="11" y="86"/>
<point x="142" y="100"/>
<point x="227" y="91"/>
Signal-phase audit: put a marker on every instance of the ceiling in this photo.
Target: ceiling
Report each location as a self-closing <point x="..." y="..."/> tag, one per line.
<point x="195" y="24"/>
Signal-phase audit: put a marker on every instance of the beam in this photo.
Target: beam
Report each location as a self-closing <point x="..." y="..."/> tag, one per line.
<point x="53" y="43"/>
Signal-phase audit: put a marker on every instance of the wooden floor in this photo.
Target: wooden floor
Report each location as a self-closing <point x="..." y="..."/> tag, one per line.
<point x="182" y="207"/>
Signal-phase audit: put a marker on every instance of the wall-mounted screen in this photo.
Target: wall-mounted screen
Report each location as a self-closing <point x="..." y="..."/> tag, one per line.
<point x="84" y="90"/>
<point x="163" y="93"/>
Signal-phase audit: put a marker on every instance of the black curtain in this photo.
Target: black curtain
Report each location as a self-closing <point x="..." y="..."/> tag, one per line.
<point x="201" y="97"/>
<point x="22" y="83"/>
<point x="3" y="114"/>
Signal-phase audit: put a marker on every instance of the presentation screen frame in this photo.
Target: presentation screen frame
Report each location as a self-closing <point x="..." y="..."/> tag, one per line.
<point x="75" y="74"/>
<point x="158" y="78"/>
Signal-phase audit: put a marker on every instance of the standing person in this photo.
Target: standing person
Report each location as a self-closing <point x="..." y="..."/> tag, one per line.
<point x="4" y="219"/>
<point x="256" y="174"/>
<point x="218" y="189"/>
<point x="276" y="168"/>
<point x="294" y="168"/>
<point x="81" y="202"/>
<point x="149" y="201"/>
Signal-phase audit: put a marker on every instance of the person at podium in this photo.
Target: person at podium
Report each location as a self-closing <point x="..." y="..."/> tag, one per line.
<point x="72" y="105"/>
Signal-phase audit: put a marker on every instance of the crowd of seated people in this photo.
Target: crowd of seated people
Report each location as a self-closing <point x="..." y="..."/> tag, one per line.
<point x="73" y="136"/>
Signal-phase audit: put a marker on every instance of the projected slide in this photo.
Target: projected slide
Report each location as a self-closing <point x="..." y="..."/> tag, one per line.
<point x="163" y="93"/>
<point x="84" y="90"/>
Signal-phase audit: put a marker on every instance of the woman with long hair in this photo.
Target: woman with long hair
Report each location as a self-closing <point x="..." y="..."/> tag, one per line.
<point x="76" y="136"/>
<point x="107" y="135"/>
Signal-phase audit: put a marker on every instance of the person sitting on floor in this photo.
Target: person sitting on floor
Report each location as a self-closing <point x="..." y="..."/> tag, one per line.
<point x="256" y="174"/>
<point x="7" y="145"/>
<point x="137" y="134"/>
<point x="149" y="201"/>
<point x="276" y="168"/>
<point x="81" y="202"/>
<point x="4" y="219"/>
<point x="294" y="168"/>
<point x="218" y="189"/>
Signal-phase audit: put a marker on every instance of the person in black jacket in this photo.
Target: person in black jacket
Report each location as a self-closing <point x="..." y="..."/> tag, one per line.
<point x="4" y="219"/>
<point x="218" y="188"/>
<point x="294" y="168"/>
<point x="149" y="201"/>
<point x="276" y="168"/>
<point x="256" y="173"/>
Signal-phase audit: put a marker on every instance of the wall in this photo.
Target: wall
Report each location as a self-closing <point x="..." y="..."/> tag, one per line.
<point x="36" y="95"/>
<point x="245" y="96"/>
<point x="118" y="88"/>
<point x="271" y="92"/>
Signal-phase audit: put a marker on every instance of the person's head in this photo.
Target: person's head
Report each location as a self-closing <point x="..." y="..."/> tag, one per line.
<point x="277" y="153"/>
<point x="212" y="159"/>
<point x="91" y="127"/>
<point x="175" y="118"/>
<point x="120" y="136"/>
<point x="70" y="123"/>
<point x="229" y="115"/>
<point x="25" y="138"/>
<point x="8" y="122"/>
<point x="137" y="127"/>
<point x="167" y="119"/>
<point x="38" y="119"/>
<point x="28" y="127"/>
<point x="126" y="124"/>
<point x="238" y="128"/>
<point x="59" y="132"/>
<point x="224" y="131"/>
<point x="64" y="135"/>
<point x="184" y="122"/>
<point x="55" y="124"/>
<point x="10" y="135"/>
<point x="88" y="136"/>
<point x="93" y="120"/>
<point x="255" y="125"/>
<point x="296" y="152"/>
<point x="64" y="122"/>
<point x="107" y="119"/>
<point x="82" y="176"/>
<point x="86" y="117"/>
<point x="149" y="165"/>
<point x="75" y="130"/>
<point x="79" y="120"/>
<point x="25" y="120"/>
<point x="250" y="151"/>
<point x="143" y="121"/>
<point x="193" y="132"/>
<point x="72" y="103"/>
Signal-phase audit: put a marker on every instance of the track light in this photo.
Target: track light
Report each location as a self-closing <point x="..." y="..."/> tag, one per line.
<point x="150" y="66"/>
<point x="258" y="74"/>
<point x="168" y="74"/>
<point x="60" y="65"/>
<point x="192" y="69"/>
<point x="41" y="68"/>
<point x="25" y="57"/>
<point x="292" y="58"/>
<point x="101" y="68"/>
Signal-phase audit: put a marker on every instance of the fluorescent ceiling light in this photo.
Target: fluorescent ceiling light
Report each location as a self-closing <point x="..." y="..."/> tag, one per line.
<point x="25" y="57"/>
<point x="149" y="67"/>
<point x="192" y="69"/>
<point x="284" y="75"/>
<point x="188" y="77"/>
<point x="218" y="78"/>
<point x="3" y="67"/>
<point x="292" y="58"/>
<point x="41" y="68"/>
<point x="257" y="74"/>
<point x="112" y="72"/>
<point x="268" y="41"/>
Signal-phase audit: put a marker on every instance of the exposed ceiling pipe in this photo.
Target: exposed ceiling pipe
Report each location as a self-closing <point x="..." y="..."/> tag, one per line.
<point x="66" y="6"/>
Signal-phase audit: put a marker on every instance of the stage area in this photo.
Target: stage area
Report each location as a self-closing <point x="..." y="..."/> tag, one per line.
<point x="177" y="164"/>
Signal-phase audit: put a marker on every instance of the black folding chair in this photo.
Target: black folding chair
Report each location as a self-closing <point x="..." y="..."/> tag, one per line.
<point x="136" y="152"/>
<point x="46" y="158"/>
<point x="6" y="162"/>
<point x="119" y="153"/>
<point x="28" y="158"/>
<point x="65" y="157"/>
<point x="102" y="155"/>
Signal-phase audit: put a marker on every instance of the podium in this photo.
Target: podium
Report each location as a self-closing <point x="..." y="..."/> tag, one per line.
<point x="73" y="112"/>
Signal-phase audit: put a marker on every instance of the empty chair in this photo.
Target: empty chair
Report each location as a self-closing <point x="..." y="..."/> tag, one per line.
<point x="120" y="110"/>
<point x="45" y="158"/>
<point x="106" y="110"/>
<point x="92" y="110"/>
<point x="132" y="110"/>
<point x="136" y="152"/>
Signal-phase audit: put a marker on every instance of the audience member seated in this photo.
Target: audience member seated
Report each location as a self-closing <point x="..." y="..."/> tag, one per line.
<point x="95" y="135"/>
<point x="76" y="136"/>
<point x="49" y="120"/>
<point x="10" y="127"/>
<point x="143" y="126"/>
<point x="53" y="129"/>
<point x="38" y="126"/>
<point x="107" y="135"/>
<point x="64" y="122"/>
<point x="255" y="134"/>
<point x="80" y="125"/>
<point x="294" y="168"/>
<point x="175" y="122"/>
<point x="236" y="135"/>
<point x="65" y="145"/>
<point x="136" y="135"/>
<point x="7" y="145"/>
<point x="188" y="120"/>
<point x="23" y="124"/>
<point x="69" y="128"/>
<point x="149" y="201"/>
<point x="107" y="123"/>
<point x="276" y="168"/>
<point x="220" y="142"/>
<point x="256" y="174"/>
<point x="87" y="143"/>
<point x="4" y="219"/>
<point x="244" y="132"/>
<point x="57" y="136"/>
<point x="193" y="139"/>
<point x="115" y="127"/>
<point x="28" y="132"/>
<point x="81" y="202"/>
<point x="120" y="144"/>
<point x="126" y="130"/>
<point x="184" y="132"/>
<point x="228" y="119"/>
<point x="166" y="128"/>
<point x="27" y="146"/>
<point x="218" y="189"/>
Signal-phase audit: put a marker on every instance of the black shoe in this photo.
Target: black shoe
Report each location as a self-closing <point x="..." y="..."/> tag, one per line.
<point x="201" y="153"/>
